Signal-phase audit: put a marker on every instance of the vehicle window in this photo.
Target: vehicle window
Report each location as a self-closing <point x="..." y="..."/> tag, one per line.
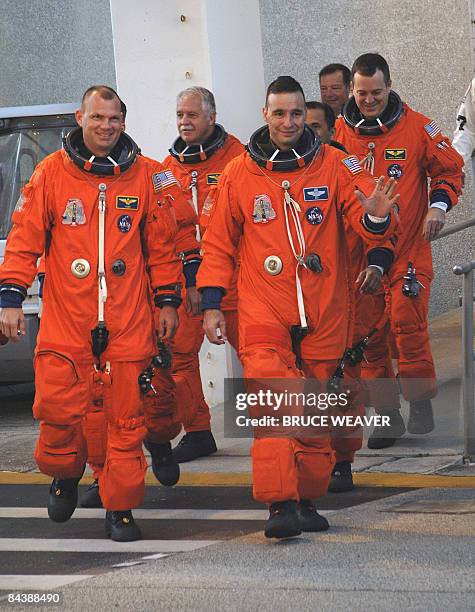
<point x="23" y="144"/>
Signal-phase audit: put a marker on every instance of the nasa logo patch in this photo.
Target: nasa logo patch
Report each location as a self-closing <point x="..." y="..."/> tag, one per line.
<point x="314" y="215"/>
<point x="124" y="223"/>
<point x="395" y="171"/>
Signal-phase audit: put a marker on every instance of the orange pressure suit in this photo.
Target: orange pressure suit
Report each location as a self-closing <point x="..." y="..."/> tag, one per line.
<point x="198" y="167"/>
<point x="250" y="216"/>
<point x="160" y="404"/>
<point x="409" y="147"/>
<point x="58" y="215"/>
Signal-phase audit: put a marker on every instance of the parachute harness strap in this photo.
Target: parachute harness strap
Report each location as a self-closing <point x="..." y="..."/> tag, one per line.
<point x="194" y="197"/>
<point x="101" y="272"/>
<point x="291" y="211"/>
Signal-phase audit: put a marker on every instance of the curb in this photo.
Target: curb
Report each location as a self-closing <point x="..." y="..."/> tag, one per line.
<point x="244" y="479"/>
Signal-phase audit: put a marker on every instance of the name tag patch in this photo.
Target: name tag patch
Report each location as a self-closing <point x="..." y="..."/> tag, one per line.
<point x="127" y="203"/>
<point x="394" y="154"/>
<point x="315" y="194"/>
<point x="212" y="179"/>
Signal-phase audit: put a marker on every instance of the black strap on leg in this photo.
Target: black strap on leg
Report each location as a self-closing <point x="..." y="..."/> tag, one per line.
<point x="297" y="334"/>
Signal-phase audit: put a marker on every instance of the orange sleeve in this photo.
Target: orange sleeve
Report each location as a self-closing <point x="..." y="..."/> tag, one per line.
<point x="442" y="163"/>
<point x="27" y="238"/>
<point x="221" y="240"/>
<point x="159" y="232"/>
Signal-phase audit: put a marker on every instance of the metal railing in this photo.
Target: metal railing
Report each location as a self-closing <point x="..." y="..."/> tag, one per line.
<point x="468" y="379"/>
<point x="456" y="227"/>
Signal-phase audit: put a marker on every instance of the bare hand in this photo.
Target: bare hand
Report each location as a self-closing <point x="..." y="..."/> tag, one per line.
<point x="167" y="322"/>
<point x="214" y="322"/>
<point x="433" y="223"/>
<point x="369" y="280"/>
<point x="381" y="201"/>
<point x="12" y="323"/>
<point x="193" y="301"/>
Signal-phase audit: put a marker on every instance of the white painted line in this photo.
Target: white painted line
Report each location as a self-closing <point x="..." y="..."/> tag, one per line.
<point x="97" y="546"/>
<point x="47" y="582"/>
<point x="141" y="514"/>
<point x="157" y="556"/>
<point x="128" y="564"/>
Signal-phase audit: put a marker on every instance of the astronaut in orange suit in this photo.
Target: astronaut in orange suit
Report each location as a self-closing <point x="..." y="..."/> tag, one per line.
<point x="390" y="138"/>
<point x="93" y="210"/>
<point x="280" y="205"/>
<point x="197" y="158"/>
<point x="368" y="268"/>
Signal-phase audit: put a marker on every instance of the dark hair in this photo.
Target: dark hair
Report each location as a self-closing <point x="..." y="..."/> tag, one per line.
<point x="284" y="84"/>
<point x="329" y="114"/>
<point x="367" y="65"/>
<point x="331" y="68"/>
<point x="106" y="93"/>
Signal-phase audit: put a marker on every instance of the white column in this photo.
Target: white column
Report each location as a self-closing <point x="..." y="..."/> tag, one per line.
<point x="163" y="47"/>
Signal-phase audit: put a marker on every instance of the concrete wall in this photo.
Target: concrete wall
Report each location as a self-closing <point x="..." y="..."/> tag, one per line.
<point x="51" y="51"/>
<point x="428" y="47"/>
<point x="163" y="47"/>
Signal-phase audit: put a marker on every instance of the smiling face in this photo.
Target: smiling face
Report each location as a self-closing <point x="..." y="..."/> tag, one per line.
<point x="333" y="91"/>
<point x="195" y="124"/>
<point x="285" y="115"/>
<point x="371" y="93"/>
<point x="101" y="122"/>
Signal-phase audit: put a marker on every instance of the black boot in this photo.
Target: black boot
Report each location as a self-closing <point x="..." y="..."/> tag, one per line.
<point x="283" y="521"/>
<point x="165" y="469"/>
<point x="194" y="444"/>
<point x="421" y="417"/>
<point x="121" y="527"/>
<point x="91" y="497"/>
<point x="309" y="519"/>
<point x="63" y="499"/>
<point x="342" y="478"/>
<point x="385" y="436"/>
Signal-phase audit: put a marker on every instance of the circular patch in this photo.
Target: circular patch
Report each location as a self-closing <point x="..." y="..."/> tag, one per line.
<point x="80" y="268"/>
<point x="273" y="265"/>
<point x="119" y="267"/>
<point x="314" y="215"/>
<point x="124" y="223"/>
<point x="395" y="171"/>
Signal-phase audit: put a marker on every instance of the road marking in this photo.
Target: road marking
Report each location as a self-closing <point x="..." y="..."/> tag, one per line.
<point x="244" y="479"/>
<point x="46" y="582"/>
<point x="100" y="546"/>
<point x="140" y="514"/>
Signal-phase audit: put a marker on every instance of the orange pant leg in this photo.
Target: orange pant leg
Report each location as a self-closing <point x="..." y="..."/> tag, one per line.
<point x="160" y="408"/>
<point x="192" y="409"/>
<point x="122" y="480"/>
<point x="283" y="467"/>
<point x="61" y="401"/>
<point x="377" y="367"/>
<point x="346" y="443"/>
<point x="409" y="326"/>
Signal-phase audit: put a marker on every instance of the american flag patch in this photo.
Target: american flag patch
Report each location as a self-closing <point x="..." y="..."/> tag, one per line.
<point x="163" y="179"/>
<point x="352" y="164"/>
<point x="432" y="129"/>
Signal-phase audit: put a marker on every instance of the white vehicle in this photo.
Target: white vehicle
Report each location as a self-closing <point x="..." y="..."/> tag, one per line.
<point x="27" y="135"/>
